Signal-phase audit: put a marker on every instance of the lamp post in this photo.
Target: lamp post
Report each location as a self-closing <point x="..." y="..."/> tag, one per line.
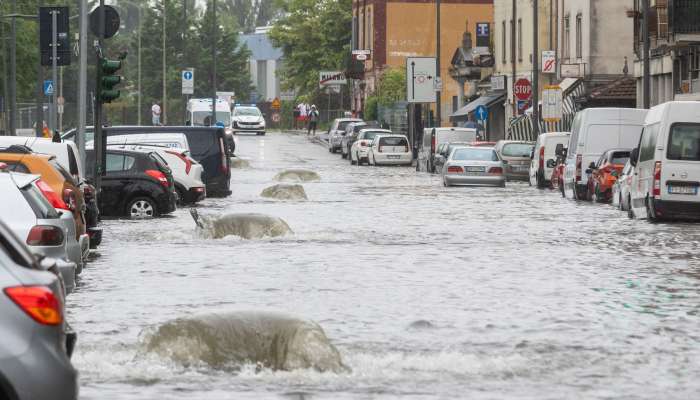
<point x="165" y="86"/>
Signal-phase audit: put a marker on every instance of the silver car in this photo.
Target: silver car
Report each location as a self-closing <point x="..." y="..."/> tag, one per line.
<point x="473" y="166"/>
<point x="621" y="197"/>
<point x="37" y="342"/>
<point x="337" y="131"/>
<point x="30" y="216"/>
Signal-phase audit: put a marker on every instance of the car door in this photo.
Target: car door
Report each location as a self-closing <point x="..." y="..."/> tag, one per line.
<point x="116" y="179"/>
<point x="644" y="170"/>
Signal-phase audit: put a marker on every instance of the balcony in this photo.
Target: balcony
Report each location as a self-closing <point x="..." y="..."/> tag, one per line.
<point x="684" y="20"/>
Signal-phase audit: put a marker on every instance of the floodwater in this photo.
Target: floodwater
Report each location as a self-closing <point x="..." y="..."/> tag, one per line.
<point x="427" y="292"/>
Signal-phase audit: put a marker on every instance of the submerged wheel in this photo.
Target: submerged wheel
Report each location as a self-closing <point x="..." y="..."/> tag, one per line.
<point x="141" y="208"/>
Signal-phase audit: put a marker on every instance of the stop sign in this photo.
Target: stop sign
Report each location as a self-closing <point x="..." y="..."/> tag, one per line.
<point x="522" y="89"/>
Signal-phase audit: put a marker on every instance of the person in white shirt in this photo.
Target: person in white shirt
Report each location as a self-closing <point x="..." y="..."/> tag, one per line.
<point x="155" y="112"/>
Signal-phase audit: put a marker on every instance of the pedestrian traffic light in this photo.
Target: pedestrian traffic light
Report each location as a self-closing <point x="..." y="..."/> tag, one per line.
<point x="109" y="80"/>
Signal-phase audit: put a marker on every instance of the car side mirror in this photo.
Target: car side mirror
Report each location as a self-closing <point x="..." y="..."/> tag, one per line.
<point x="634" y="156"/>
<point x="551" y="163"/>
<point x="532" y="154"/>
<point x="559" y="150"/>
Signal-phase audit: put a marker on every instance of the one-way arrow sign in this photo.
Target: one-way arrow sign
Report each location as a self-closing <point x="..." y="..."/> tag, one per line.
<point x="420" y="72"/>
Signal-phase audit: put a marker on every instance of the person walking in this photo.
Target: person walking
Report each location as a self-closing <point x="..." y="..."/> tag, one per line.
<point x="313" y="119"/>
<point x="155" y="114"/>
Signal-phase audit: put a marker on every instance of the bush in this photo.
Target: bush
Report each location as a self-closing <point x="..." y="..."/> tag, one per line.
<point x="371" y="108"/>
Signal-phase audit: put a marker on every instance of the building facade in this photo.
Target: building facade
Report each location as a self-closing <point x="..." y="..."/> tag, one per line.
<point x="264" y="62"/>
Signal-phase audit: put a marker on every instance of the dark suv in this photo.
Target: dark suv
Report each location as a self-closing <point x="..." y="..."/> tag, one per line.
<point x="136" y="185"/>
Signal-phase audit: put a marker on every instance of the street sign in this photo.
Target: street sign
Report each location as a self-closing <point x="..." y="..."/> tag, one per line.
<point x="112" y="21"/>
<point x="498" y="82"/>
<point x="552" y="103"/>
<point x="276" y="104"/>
<point x="276" y="118"/>
<point x="362" y="51"/>
<point x="523" y="105"/>
<point x="420" y="73"/>
<point x="63" y="48"/>
<point x="522" y="89"/>
<point x="482" y="113"/>
<point x="483" y="34"/>
<point x="437" y="83"/>
<point x="549" y="62"/>
<point x="327" y="78"/>
<point x="361" y="57"/>
<point x="48" y="87"/>
<point x="288" y="95"/>
<point x="188" y="81"/>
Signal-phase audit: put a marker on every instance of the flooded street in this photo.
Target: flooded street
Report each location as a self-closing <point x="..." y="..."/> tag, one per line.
<point x="427" y="292"/>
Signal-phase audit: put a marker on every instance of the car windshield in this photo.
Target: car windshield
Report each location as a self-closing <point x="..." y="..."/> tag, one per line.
<point x="343" y="124"/>
<point x="203" y="118"/>
<point x="684" y="142"/>
<point x="371" y="134"/>
<point x="246" y="112"/>
<point x="475" y="155"/>
<point x="620" y="157"/>
<point x="517" y="150"/>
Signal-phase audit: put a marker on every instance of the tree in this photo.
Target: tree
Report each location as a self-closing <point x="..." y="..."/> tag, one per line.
<point x="391" y="87"/>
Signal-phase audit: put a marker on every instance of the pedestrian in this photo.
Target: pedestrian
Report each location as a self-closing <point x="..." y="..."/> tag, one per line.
<point x="296" y="114"/>
<point x="56" y="138"/>
<point x="303" y="109"/>
<point x="155" y="113"/>
<point x="313" y="119"/>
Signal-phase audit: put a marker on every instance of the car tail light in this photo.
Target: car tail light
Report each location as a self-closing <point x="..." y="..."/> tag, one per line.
<point x="542" y="158"/>
<point x="69" y="199"/>
<point x="184" y="158"/>
<point x="496" y="171"/>
<point x="406" y="149"/>
<point x="159" y="176"/>
<point x="38" y="302"/>
<point x="224" y="166"/>
<point x="3" y="166"/>
<point x="455" y="170"/>
<point x="45" y="235"/>
<point x="657" y="179"/>
<point x="579" y="161"/>
<point x="51" y="196"/>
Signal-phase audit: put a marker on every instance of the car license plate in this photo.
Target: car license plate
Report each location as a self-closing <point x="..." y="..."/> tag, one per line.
<point x="520" y="168"/>
<point x="475" y="169"/>
<point x="393" y="157"/>
<point x="684" y="189"/>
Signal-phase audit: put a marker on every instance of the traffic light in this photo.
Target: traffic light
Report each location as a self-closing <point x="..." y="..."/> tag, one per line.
<point x="109" y="80"/>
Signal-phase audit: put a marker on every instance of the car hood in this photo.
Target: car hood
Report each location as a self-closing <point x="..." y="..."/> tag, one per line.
<point x="247" y="118"/>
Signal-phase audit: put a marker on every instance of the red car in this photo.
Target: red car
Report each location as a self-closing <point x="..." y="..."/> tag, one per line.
<point x="557" y="179"/>
<point x="603" y="174"/>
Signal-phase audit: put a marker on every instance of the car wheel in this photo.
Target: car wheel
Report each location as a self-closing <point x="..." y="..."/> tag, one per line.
<point x="141" y="208"/>
<point x="630" y="211"/>
<point x="180" y="196"/>
<point x="444" y="183"/>
<point x="344" y="156"/>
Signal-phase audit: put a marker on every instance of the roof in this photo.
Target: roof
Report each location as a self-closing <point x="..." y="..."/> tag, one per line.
<point x="486" y="100"/>
<point x="261" y="47"/>
<point x="623" y="88"/>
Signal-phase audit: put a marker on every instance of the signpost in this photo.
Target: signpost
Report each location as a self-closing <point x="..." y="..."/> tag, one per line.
<point x="327" y="78"/>
<point x="188" y="81"/>
<point x="483" y="34"/>
<point x="276" y="104"/>
<point x="552" y="103"/>
<point x="482" y="113"/>
<point x="49" y="88"/>
<point x="522" y="89"/>
<point x="549" y="62"/>
<point x="420" y="73"/>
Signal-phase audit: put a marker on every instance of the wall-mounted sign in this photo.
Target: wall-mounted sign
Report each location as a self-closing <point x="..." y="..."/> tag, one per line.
<point x="549" y="62"/>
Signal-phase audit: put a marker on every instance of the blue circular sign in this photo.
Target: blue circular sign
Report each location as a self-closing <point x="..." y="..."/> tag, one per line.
<point x="187" y="75"/>
<point x="482" y="113"/>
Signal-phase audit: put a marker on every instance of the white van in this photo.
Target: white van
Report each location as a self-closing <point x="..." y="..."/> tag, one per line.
<point x="66" y="152"/>
<point x="594" y="131"/>
<point x="171" y="140"/>
<point x="434" y="137"/>
<point x="199" y="113"/>
<point x="667" y="163"/>
<point x="540" y="167"/>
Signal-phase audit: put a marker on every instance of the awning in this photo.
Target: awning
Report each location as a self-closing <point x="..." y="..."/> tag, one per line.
<point x="486" y="100"/>
<point x="520" y="128"/>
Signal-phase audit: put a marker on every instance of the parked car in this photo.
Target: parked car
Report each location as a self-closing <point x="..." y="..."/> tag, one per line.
<point x="621" y="188"/>
<point x="137" y="185"/>
<point x="516" y="156"/>
<point x="336" y="132"/>
<point x="390" y="150"/>
<point x="247" y="119"/>
<point x="187" y="173"/>
<point x="473" y="166"/>
<point x="667" y="163"/>
<point x="359" y="151"/>
<point x="37" y="340"/>
<point x="169" y="140"/>
<point x="67" y="155"/>
<point x="545" y="146"/>
<point x="59" y="188"/>
<point x="604" y="173"/>
<point x="46" y="231"/>
<point x="558" y="165"/>
<point x="443" y="152"/>
<point x="481" y="143"/>
<point x="434" y="137"/>
<point x="207" y="146"/>
<point x="352" y="130"/>
<point x="593" y="131"/>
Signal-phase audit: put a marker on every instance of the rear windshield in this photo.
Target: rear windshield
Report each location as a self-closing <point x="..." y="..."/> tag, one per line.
<point x="42" y="208"/>
<point x="684" y="142"/>
<point x="66" y="175"/>
<point x="371" y="134"/>
<point x="202" y="144"/>
<point x="517" y="150"/>
<point x="620" y="157"/>
<point x="475" y="155"/>
<point x="119" y="162"/>
<point x="393" y="141"/>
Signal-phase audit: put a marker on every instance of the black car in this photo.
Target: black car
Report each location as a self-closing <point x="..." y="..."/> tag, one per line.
<point x="136" y="184"/>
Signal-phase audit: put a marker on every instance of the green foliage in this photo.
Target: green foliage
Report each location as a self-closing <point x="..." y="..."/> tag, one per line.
<point x="371" y="110"/>
<point x="392" y="87"/>
<point x="314" y="35"/>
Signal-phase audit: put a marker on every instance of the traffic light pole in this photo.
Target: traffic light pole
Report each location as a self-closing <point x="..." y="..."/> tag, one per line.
<point x="99" y="141"/>
<point x="54" y="69"/>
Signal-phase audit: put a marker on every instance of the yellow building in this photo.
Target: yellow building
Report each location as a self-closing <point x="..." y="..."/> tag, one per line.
<point x="395" y="29"/>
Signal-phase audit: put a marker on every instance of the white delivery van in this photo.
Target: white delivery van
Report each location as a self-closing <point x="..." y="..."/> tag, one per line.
<point x="433" y="137"/>
<point x="594" y="131"/>
<point x="540" y="167"/>
<point x="667" y="163"/>
<point x="170" y="140"/>
<point x="199" y="113"/>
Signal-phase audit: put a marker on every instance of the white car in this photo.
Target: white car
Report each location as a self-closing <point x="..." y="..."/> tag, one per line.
<point x="187" y="173"/>
<point x="666" y="179"/>
<point x="336" y="132"/>
<point x="247" y="119"/>
<point x="390" y="150"/>
<point x="621" y="188"/>
<point x="544" y="157"/>
<point x="170" y="140"/>
<point x="66" y="152"/>
<point x="359" y="151"/>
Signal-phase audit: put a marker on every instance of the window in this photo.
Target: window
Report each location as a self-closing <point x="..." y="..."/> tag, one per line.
<point x="517" y="150"/>
<point x="579" y="37"/>
<point x="119" y="162"/>
<point x="504" y="34"/>
<point x="466" y="154"/>
<point x="512" y="41"/>
<point x="520" y="39"/>
<point x="684" y="142"/>
<point x="16" y="167"/>
<point x="566" y="42"/>
<point x="647" y="143"/>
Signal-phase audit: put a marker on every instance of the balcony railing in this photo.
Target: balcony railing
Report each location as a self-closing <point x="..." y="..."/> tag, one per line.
<point x="685" y="16"/>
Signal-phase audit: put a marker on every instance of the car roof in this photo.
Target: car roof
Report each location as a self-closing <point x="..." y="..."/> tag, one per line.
<point x="375" y="130"/>
<point x="18" y="179"/>
<point x="135" y="153"/>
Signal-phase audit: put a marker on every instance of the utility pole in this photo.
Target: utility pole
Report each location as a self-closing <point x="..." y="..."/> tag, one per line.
<point x="82" y="80"/>
<point x="140" y="107"/>
<point x="54" y="70"/>
<point x="99" y="141"/>
<point x="213" y="64"/>
<point x="646" y="80"/>
<point x="165" y="85"/>
<point x="13" y="72"/>
<point x="513" y="55"/>
<point x="438" y="93"/>
<point x="535" y="70"/>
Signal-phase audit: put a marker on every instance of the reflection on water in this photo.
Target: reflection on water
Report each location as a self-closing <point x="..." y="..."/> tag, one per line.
<point x="427" y="292"/>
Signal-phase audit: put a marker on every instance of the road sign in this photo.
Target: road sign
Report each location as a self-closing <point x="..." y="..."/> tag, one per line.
<point x="276" y="118"/>
<point x="112" y="21"/>
<point x="48" y="87"/>
<point x="362" y="51"/>
<point x="552" y="103"/>
<point x="482" y="113"/>
<point x="420" y="73"/>
<point x="60" y="100"/>
<point x="483" y="34"/>
<point x="188" y="81"/>
<point x="276" y="104"/>
<point x="523" y="105"/>
<point x="498" y="82"/>
<point x="437" y="83"/>
<point x="361" y="57"/>
<point x="63" y="48"/>
<point x="522" y="89"/>
<point x="549" y="62"/>
<point x="288" y="95"/>
<point x="327" y="78"/>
